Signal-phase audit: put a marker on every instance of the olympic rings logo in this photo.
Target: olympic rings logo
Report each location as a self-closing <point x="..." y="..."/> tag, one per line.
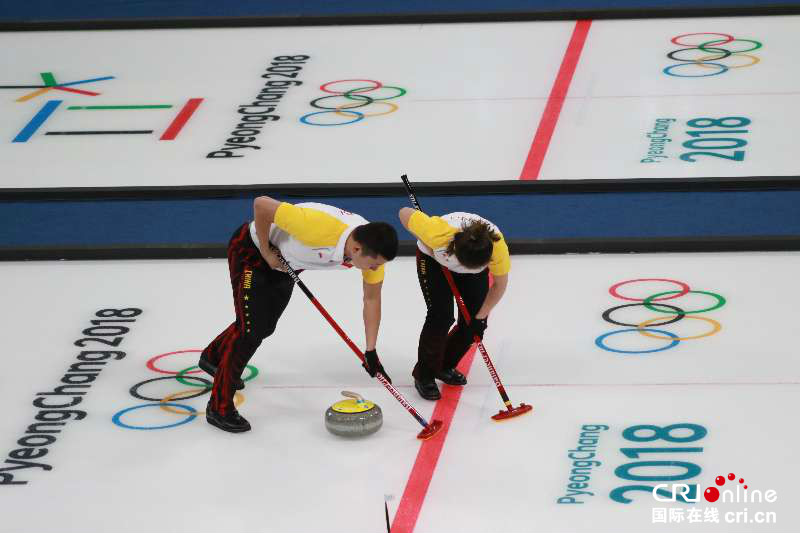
<point x="339" y="106"/>
<point x="702" y="56"/>
<point x="647" y="328"/>
<point x="169" y="403"/>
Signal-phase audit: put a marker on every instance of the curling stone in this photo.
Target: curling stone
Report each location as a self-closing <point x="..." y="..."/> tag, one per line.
<point x="353" y="417"/>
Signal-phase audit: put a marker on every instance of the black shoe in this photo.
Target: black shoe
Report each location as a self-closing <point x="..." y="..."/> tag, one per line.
<point x="451" y="376"/>
<point x="427" y="389"/>
<point x="210" y="368"/>
<point x="233" y="422"/>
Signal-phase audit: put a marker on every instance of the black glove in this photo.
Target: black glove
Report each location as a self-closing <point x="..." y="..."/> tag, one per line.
<point x="477" y="326"/>
<point x="373" y="365"/>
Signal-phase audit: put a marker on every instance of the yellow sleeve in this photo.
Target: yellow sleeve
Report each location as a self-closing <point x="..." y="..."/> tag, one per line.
<point x="309" y="226"/>
<point x="371" y="277"/>
<point x="434" y="232"/>
<point x="500" y="263"/>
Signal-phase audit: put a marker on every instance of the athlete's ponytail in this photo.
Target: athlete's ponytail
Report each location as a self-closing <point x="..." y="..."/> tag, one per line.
<point x="473" y="245"/>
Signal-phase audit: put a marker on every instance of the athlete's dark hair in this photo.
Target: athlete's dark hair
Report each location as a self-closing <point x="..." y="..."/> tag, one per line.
<point x="473" y="245"/>
<point x="377" y="238"/>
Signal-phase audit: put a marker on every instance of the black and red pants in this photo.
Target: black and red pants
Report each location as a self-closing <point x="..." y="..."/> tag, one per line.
<point x="260" y="295"/>
<point x="441" y="348"/>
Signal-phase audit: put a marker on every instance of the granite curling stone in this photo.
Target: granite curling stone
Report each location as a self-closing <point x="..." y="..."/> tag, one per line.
<point x="353" y="417"/>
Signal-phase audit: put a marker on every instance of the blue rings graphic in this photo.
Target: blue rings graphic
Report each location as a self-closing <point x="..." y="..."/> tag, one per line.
<point x="669" y="69"/>
<point x="190" y="415"/>
<point x="599" y="341"/>
<point x="359" y="116"/>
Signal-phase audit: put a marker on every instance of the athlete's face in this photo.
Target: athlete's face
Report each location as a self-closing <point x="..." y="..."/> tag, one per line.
<point x="364" y="262"/>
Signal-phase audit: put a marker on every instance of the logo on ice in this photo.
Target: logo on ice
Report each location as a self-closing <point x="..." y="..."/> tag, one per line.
<point x="49" y="83"/>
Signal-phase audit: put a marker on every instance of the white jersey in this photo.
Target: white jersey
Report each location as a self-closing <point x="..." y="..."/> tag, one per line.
<point x="435" y="234"/>
<point x="312" y="236"/>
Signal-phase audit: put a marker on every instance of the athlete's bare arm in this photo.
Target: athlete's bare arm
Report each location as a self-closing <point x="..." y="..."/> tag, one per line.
<point x="372" y="312"/>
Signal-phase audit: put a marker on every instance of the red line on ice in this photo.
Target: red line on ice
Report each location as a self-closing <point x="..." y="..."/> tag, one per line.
<point x="547" y="124"/>
<point x="419" y="480"/>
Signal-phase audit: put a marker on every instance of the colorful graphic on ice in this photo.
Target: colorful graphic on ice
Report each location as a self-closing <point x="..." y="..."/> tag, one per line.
<point x="48" y="109"/>
<point x="667" y="315"/>
<point x="339" y="106"/>
<point x="710" y="54"/>
<point x="170" y="403"/>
